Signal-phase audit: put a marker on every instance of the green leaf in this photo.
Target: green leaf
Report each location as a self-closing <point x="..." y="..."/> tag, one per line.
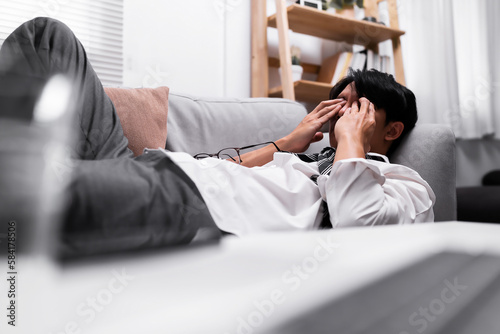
<point x="324" y="4"/>
<point x="337" y="4"/>
<point x="341" y="4"/>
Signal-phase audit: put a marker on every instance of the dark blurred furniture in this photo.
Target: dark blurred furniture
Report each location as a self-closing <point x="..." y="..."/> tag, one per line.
<point x="482" y="203"/>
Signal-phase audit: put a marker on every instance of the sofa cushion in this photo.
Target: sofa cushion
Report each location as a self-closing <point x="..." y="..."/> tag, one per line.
<point x="143" y="115"/>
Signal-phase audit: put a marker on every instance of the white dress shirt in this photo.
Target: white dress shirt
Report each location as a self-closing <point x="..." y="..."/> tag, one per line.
<point x="281" y="196"/>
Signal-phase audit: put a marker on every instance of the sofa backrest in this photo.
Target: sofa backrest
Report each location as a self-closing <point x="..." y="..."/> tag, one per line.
<point x="207" y="125"/>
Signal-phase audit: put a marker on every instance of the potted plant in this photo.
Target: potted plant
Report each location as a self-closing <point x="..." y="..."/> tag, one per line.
<point x="342" y="7"/>
<point x="341" y="4"/>
<point x="297" y="69"/>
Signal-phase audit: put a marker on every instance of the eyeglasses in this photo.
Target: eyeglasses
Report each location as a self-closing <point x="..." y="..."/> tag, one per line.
<point x="232" y="153"/>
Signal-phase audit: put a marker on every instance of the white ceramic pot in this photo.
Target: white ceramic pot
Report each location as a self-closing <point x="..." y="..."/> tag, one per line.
<point x="297" y="71"/>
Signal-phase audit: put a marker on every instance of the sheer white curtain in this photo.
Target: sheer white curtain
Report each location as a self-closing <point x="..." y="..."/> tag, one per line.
<point x="97" y="23"/>
<point x="451" y="54"/>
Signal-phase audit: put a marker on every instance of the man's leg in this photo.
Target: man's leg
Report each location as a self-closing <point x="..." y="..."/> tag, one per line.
<point x="130" y="204"/>
<point x="115" y="203"/>
<point x="44" y="47"/>
<point x="30" y="191"/>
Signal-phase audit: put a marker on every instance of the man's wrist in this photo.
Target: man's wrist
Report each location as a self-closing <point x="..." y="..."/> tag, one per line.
<point x="349" y="147"/>
<point x="284" y="144"/>
<point x="351" y="140"/>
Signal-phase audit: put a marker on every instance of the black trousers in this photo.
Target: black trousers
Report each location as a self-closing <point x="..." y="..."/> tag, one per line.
<point x="114" y="201"/>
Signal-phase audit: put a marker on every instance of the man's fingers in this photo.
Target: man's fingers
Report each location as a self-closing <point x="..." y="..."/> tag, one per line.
<point x="371" y="109"/>
<point x="317" y="137"/>
<point x="330" y="113"/>
<point x="327" y="106"/>
<point x="354" y="108"/>
<point x="331" y="102"/>
<point x="365" y="104"/>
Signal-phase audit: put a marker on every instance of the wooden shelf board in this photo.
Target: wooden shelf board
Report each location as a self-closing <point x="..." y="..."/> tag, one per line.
<point x="307" y="91"/>
<point x="309" y="68"/>
<point x="310" y="21"/>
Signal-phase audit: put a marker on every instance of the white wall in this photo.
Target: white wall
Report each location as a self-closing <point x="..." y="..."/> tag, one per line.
<point x="199" y="47"/>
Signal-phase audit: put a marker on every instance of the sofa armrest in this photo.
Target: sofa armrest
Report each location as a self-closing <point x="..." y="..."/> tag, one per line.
<point x="198" y="124"/>
<point x="430" y="150"/>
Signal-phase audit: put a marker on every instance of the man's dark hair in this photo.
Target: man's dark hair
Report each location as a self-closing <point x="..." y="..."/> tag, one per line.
<point x="384" y="92"/>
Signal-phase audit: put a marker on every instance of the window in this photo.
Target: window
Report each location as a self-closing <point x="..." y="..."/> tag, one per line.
<point x="98" y="24"/>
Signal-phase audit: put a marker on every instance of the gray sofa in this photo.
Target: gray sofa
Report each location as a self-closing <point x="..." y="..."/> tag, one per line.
<point x="197" y="124"/>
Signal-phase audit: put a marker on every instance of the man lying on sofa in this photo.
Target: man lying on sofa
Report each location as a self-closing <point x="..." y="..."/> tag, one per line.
<point x="160" y="198"/>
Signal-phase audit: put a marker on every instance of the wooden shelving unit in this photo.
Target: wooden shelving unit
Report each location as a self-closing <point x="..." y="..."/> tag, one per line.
<point x="313" y="22"/>
<point x="317" y="23"/>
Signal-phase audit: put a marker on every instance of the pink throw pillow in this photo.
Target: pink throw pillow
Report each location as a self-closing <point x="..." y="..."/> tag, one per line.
<point x="143" y="115"/>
